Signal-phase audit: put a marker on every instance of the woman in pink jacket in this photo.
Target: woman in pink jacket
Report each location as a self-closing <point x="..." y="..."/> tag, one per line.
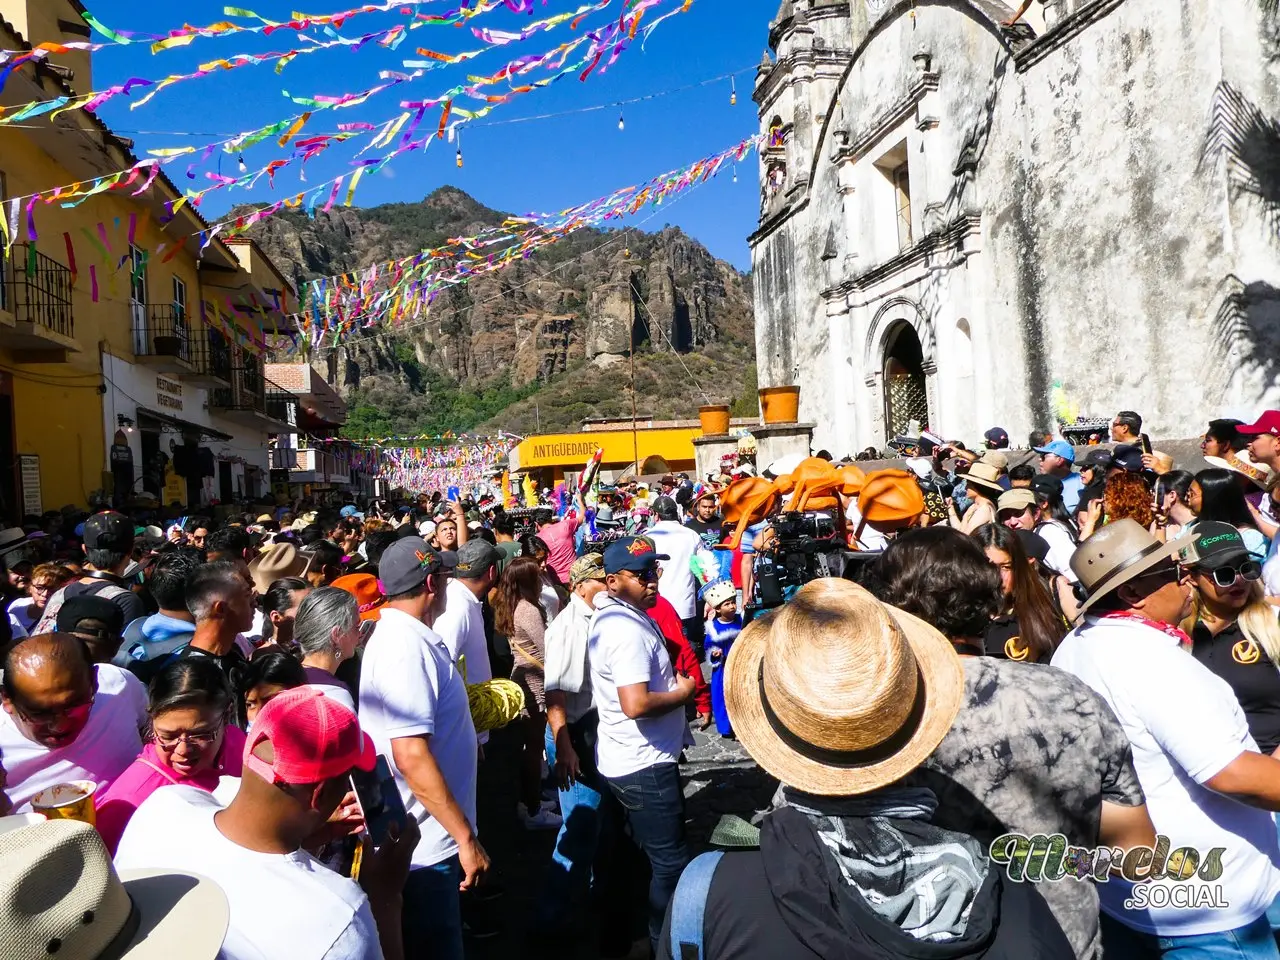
<point x="191" y="742"/>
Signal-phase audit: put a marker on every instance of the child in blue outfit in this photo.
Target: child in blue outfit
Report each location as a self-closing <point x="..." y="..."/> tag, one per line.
<point x="722" y="630"/>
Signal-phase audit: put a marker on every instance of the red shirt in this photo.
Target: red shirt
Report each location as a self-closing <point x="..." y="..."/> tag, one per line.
<point x="683" y="659"/>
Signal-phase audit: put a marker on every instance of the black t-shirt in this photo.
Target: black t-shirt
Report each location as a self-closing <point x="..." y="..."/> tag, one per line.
<point x="1253" y="678"/>
<point x="1003" y="640"/>
<point x="708" y="531"/>
<point x="233" y="666"/>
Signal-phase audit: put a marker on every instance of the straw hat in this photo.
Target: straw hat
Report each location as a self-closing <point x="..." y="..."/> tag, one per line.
<point x="1121" y="551"/>
<point x="890" y="500"/>
<point x="1259" y="473"/>
<point x="60" y="896"/>
<point x="986" y="476"/>
<point x="280" y="560"/>
<point x="837" y="694"/>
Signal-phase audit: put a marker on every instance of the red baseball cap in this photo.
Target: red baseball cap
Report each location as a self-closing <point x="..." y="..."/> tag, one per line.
<point x="314" y="738"/>
<point x="1269" y="422"/>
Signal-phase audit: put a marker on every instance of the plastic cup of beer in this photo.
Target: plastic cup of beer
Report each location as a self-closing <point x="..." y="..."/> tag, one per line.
<point x="67" y="801"/>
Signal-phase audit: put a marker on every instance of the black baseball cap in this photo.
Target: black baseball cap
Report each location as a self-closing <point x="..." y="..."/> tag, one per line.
<point x="1099" y="458"/>
<point x="637" y="554"/>
<point x="109" y="530"/>
<point x="1216" y="543"/>
<point x="94" y="618"/>
<point x="1033" y="545"/>
<point x="666" y="508"/>
<point x="997" y="438"/>
<point x="1127" y="456"/>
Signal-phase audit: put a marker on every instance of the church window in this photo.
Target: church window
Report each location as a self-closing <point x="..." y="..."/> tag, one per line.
<point x="902" y="201"/>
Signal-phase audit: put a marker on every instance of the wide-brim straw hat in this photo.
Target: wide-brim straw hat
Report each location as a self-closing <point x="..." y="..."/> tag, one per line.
<point x="1259" y="474"/>
<point x="60" y="894"/>
<point x="837" y="694"/>
<point x="1121" y="551"/>
<point x="279" y="561"/>
<point x="986" y="476"/>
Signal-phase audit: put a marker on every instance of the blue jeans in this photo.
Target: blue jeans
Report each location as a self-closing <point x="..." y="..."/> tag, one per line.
<point x="576" y="844"/>
<point x="1250" y="942"/>
<point x="432" y="915"/>
<point x="654" y="806"/>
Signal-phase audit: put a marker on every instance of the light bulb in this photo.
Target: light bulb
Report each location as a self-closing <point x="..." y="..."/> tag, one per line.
<point x="735" y="174"/>
<point x="621" y="123"/>
<point x="733" y="92"/>
<point x="244" y="167"/>
<point x="459" y="156"/>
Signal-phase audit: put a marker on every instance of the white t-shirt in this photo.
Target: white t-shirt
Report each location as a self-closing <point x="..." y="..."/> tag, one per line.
<point x="678" y="584"/>
<point x="109" y="743"/>
<point x="626" y="647"/>
<point x="461" y="627"/>
<point x="1185" y="726"/>
<point x="21" y="612"/>
<point x="281" y="905"/>
<point x="410" y="688"/>
<point x="1060" y="548"/>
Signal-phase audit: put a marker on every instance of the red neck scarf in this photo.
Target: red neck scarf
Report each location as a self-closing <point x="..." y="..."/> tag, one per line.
<point x="1167" y="629"/>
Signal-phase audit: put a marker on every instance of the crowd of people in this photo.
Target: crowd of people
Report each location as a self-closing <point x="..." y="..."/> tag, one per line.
<point x="280" y="716"/>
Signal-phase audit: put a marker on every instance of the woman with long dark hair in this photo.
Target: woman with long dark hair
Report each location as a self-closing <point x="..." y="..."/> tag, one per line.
<point x="1170" y="502"/>
<point x="279" y="608"/>
<point x="1028" y="627"/>
<point x="552" y="592"/>
<point x="191" y="741"/>
<point x="1215" y="494"/>
<point x="518" y="614"/>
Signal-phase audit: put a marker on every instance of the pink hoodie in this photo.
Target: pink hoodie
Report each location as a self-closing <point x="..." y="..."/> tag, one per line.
<point x="149" y="773"/>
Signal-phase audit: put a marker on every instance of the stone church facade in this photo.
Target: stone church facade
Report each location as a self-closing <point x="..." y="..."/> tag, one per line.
<point x="975" y="226"/>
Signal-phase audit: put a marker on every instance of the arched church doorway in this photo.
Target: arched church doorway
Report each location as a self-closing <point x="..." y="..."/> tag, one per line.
<point x="905" y="395"/>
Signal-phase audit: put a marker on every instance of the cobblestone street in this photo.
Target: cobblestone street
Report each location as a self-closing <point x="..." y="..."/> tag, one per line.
<point x="718" y="779"/>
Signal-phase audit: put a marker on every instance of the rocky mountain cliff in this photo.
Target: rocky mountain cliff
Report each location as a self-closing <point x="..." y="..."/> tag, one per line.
<point x="546" y="334"/>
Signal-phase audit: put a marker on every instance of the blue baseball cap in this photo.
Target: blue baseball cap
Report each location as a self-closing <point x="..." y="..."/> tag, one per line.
<point x="631" y="553"/>
<point x="348" y="511"/>
<point x="1059" y="448"/>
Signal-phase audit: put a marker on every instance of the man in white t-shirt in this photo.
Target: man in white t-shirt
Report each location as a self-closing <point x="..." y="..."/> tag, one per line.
<point x="461" y="625"/>
<point x="679" y="584"/>
<point x="283" y="902"/>
<point x="642" y="727"/>
<point x="1207" y="786"/>
<point x="413" y="702"/>
<point x="65" y="718"/>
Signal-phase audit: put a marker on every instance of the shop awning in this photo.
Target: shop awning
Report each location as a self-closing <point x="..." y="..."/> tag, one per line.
<point x="185" y="426"/>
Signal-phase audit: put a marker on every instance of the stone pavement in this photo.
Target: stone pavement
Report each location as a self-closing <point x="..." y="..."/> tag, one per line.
<point x="718" y="777"/>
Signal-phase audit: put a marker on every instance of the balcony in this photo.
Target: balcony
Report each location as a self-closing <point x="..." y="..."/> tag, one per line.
<point x="245" y="399"/>
<point x="162" y="338"/>
<point x="209" y="356"/>
<point x="38" y="291"/>
<point x="312" y="466"/>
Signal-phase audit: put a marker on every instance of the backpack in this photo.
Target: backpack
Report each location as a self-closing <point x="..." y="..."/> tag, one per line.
<point x="49" y="622"/>
<point x="689" y="906"/>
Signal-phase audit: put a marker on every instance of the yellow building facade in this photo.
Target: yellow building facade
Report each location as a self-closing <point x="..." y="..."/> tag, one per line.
<point x="114" y="308"/>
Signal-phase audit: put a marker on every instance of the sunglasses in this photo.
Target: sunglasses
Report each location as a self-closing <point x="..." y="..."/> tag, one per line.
<point x="652" y="574"/>
<point x="1248" y="570"/>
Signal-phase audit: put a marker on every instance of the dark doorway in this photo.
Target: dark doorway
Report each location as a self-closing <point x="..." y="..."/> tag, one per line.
<point x="905" y="394"/>
<point x="225" y="492"/>
<point x="153" y="463"/>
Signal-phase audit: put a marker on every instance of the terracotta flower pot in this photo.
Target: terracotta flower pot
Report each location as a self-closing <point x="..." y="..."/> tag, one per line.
<point x="714" y="419"/>
<point x="780" y="404"/>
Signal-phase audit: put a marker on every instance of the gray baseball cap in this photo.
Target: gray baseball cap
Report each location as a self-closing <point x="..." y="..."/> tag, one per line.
<point x="474" y="558"/>
<point x="408" y="563"/>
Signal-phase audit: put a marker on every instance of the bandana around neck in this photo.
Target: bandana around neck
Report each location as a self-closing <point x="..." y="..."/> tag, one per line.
<point x="1167" y="629"/>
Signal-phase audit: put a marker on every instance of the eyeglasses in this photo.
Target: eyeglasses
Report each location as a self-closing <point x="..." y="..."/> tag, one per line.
<point x="203" y="738"/>
<point x="43" y="587"/>
<point x="76" y="715"/>
<point x="1248" y="570"/>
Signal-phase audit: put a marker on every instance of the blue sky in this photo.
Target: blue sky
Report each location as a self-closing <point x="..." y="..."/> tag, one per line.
<point x="541" y="165"/>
